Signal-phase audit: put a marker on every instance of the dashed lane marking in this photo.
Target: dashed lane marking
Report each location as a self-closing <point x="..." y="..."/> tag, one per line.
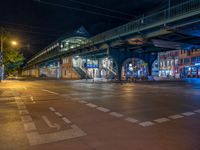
<point x="103" y="109"/>
<point x="161" y="120"/>
<point x="197" y="111"/>
<point x="20" y="103"/>
<point x="66" y="120"/>
<point x="188" y="113"/>
<point x="146" y="123"/>
<point x="91" y="105"/>
<point x="50" y="92"/>
<point x="26" y="119"/>
<point x="175" y="116"/>
<point x="17" y="98"/>
<point x="75" y="99"/>
<point x="21" y="107"/>
<point x="83" y="102"/>
<point x="52" y="109"/>
<point x="32" y="99"/>
<point x="132" y="120"/>
<point x="29" y="127"/>
<point x="116" y="114"/>
<point x="58" y="114"/>
<point x="23" y="112"/>
<point x="7" y="98"/>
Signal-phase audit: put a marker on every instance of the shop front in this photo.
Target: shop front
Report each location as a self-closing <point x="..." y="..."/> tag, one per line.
<point x="136" y="68"/>
<point x="92" y="67"/>
<point x="51" y="70"/>
<point x="191" y="71"/>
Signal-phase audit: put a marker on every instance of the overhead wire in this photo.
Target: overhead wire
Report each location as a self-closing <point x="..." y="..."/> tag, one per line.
<point x="80" y="9"/>
<point x="100" y="7"/>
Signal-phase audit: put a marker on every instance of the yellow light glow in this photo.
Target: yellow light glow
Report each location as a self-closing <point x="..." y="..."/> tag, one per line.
<point x="14" y="43"/>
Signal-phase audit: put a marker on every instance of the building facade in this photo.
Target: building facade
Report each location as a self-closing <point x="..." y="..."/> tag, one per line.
<point x="189" y="66"/>
<point x="180" y="64"/>
<point x="169" y="64"/>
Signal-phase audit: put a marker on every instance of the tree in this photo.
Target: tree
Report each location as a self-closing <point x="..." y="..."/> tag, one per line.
<point x="12" y="57"/>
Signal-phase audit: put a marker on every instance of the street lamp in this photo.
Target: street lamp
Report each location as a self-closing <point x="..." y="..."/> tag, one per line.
<point x="14" y="43"/>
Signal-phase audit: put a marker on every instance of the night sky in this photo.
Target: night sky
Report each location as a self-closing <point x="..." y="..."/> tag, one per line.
<point x="36" y="24"/>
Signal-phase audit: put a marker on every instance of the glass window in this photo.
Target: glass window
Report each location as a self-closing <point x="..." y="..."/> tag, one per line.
<point x="186" y="61"/>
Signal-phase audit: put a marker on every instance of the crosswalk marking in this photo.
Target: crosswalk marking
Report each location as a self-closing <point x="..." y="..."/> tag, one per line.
<point x="132" y="120"/>
<point x="188" y="113"/>
<point x="146" y="123"/>
<point x="116" y="114"/>
<point x="161" y="120"/>
<point x="175" y="116"/>
<point x="103" y="109"/>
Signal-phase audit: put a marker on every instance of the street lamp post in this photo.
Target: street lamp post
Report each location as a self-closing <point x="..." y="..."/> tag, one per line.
<point x="169" y="7"/>
<point x="1" y="61"/>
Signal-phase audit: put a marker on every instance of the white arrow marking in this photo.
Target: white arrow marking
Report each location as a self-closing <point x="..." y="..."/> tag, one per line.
<point x="55" y="125"/>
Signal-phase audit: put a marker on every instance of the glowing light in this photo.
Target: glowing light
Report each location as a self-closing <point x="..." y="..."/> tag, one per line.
<point x="197" y="64"/>
<point x="14" y="43"/>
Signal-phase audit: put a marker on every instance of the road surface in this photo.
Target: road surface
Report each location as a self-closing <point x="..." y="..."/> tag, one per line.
<point x="79" y="115"/>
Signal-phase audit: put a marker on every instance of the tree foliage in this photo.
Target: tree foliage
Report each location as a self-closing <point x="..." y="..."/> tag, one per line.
<point x="12" y="57"/>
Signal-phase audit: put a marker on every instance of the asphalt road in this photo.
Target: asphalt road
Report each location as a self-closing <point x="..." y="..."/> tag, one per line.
<point x="75" y="115"/>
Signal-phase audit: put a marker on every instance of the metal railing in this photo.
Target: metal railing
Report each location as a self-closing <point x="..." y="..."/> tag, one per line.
<point x="162" y="17"/>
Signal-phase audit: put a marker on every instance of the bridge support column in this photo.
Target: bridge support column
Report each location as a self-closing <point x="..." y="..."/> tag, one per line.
<point x="149" y="59"/>
<point x="119" y="56"/>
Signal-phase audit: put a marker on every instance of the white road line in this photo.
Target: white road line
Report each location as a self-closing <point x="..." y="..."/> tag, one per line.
<point x="161" y="120"/>
<point x="17" y="98"/>
<point x="83" y="102"/>
<point x="146" y="123"/>
<point x="175" y="116"/>
<point x="75" y="99"/>
<point x="197" y="111"/>
<point x="132" y="120"/>
<point x="66" y="120"/>
<point x="24" y="88"/>
<point x="52" y="109"/>
<point x="20" y="103"/>
<point x="23" y="112"/>
<point x="91" y="105"/>
<point x="116" y="114"/>
<point x="35" y="138"/>
<point x="58" y="114"/>
<point x="26" y="119"/>
<point x="188" y="113"/>
<point x="29" y="126"/>
<point x="21" y="107"/>
<point x="32" y="99"/>
<point x="5" y="99"/>
<point x="50" y="92"/>
<point x="55" y="125"/>
<point x="103" y="109"/>
<point x="77" y="130"/>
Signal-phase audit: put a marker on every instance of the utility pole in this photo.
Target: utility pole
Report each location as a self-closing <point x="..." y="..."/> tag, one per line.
<point x="1" y="56"/>
<point x="169" y="8"/>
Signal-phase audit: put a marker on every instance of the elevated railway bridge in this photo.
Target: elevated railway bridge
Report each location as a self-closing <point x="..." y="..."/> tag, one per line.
<point x="175" y="28"/>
